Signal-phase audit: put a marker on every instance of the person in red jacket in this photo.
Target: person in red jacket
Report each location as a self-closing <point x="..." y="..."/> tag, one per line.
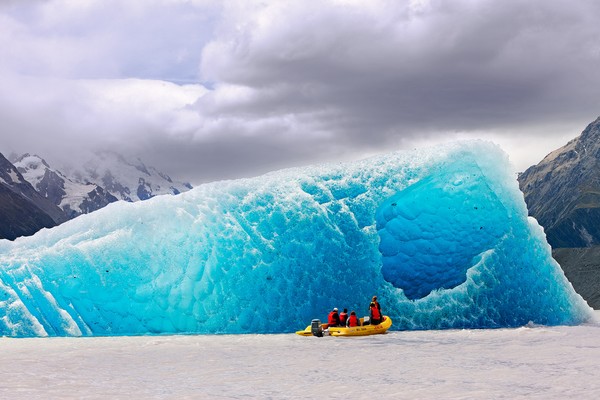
<point x="353" y="320"/>
<point x="343" y="317"/>
<point x="374" y="300"/>
<point x="333" y="319"/>
<point x="375" y="314"/>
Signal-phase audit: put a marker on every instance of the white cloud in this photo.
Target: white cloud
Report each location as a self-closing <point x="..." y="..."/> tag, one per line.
<point x="106" y="38"/>
<point x="61" y="115"/>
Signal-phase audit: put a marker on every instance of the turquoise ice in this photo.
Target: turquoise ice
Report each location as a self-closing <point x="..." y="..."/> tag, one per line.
<point x="441" y="235"/>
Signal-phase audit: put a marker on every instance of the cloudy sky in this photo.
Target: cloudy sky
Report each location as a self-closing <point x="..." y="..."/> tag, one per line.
<point x="208" y="90"/>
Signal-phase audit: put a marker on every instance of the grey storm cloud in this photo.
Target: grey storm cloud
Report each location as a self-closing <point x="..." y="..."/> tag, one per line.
<point x="427" y="64"/>
<point x="274" y="84"/>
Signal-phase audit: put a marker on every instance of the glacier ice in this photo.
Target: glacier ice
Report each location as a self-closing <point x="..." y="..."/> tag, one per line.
<point x="441" y="235"/>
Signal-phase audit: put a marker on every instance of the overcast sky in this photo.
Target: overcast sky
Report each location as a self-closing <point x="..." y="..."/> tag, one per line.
<point x="208" y="90"/>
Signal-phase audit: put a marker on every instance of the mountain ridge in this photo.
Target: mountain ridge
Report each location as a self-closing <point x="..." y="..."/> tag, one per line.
<point x="563" y="191"/>
<point x="35" y="195"/>
<point x="74" y="198"/>
<point x="132" y="180"/>
<point x="23" y="211"/>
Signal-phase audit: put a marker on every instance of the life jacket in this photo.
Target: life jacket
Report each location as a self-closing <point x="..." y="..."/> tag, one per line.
<point x="375" y="313"/>
<point x="333" y="318"/>
<point x="353" y="320"/>
<point x="343" y="318"/>
<point x="377" y="304"/>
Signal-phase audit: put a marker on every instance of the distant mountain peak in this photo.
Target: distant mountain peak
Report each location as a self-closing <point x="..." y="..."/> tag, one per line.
<point x="129" y="180"/>
<point x="591" y="134"/>
<point x="74" y="198"/>
<point x="34" y="158"/>
<point x="9" y="174"/>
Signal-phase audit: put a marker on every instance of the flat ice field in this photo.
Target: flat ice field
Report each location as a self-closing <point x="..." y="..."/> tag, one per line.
<point x="538" y="362"/>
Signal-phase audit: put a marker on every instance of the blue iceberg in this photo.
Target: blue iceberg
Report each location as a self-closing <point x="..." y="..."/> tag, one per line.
<point x="441" y="235"/>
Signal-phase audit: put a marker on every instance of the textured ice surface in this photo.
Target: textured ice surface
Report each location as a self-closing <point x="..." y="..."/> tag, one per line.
<point x="440" y="235"/>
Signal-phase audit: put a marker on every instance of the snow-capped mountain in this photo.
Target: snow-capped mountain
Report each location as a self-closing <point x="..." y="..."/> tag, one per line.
<point x="34" y="195"/>
<point x="74" y="198"/>
<point x="127" y="180"/>
<point x="23" y="211"/>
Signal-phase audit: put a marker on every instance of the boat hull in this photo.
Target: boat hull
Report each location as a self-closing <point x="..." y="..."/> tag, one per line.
<point x="363" y="330"/>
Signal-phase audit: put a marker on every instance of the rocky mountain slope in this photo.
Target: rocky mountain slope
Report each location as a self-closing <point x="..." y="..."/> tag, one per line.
<point x="74" y="198"/>
<point x="23" y="211"/>
<point x="563" y="191"/>
<point x="582" y="269"/>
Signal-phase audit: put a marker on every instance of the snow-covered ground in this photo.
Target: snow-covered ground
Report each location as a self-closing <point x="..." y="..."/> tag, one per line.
<point x="531" y="362"/>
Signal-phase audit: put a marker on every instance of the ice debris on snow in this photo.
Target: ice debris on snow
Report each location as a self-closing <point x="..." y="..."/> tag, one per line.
<point x="441" y="235"/>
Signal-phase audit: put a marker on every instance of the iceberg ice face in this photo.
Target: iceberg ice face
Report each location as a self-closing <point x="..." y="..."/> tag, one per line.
<point x="440" y="235"/>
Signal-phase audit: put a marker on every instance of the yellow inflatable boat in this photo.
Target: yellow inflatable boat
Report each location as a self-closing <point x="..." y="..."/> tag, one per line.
<point x="318" y="329"/>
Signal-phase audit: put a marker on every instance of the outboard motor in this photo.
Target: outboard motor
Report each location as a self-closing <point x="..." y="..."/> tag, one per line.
<point x="316" y="328"/>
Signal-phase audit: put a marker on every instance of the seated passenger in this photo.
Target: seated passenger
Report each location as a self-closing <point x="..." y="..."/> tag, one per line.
<point x="353" y="320"/>
<point x="333" y="319"/>
<point x="343" y="317"/>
